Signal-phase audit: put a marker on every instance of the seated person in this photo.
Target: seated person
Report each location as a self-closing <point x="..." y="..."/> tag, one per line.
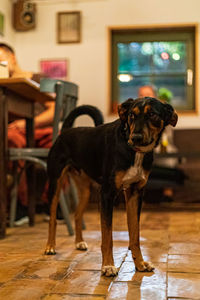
<point x="45" y="114"/>
<point x="43" y="119"/>
<point x="165" y="169"/>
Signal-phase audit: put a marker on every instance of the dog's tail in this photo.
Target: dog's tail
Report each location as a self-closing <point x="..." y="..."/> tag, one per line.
<point x="89" y="110"/>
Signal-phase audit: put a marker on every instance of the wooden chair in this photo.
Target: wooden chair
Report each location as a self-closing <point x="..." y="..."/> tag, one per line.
<point x="66" y="99"/>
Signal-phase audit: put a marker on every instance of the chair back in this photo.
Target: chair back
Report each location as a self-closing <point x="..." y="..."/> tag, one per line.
<point x="66" y="99"/>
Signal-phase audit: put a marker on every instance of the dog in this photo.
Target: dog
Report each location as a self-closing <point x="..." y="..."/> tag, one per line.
<point x="118" y="156"/>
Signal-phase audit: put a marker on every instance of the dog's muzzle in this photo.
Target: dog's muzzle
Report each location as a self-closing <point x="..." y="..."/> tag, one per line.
<point x="137" y="143"/>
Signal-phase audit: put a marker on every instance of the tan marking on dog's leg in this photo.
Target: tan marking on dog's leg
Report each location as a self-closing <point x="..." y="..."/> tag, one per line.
<point x="51" y="243"/>
<point x="132" y="206"/>
<point x="143" y="182"/>
<point x="83" y="183"/>
<point x="108" y="268"/>
<point x="119" y="175"/>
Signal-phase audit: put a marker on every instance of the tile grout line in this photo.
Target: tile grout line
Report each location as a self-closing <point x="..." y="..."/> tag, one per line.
<point x="113" y="280"/>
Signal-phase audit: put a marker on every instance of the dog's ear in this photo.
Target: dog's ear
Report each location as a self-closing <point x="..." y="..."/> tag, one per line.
<point x="171" y="115"/>
<point x="124" y="108"/>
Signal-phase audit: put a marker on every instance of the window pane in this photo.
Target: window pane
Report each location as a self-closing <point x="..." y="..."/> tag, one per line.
<point x="162" y="64"/>
<point x="151" y="57"/>
<point x="175" y="84"/>
<point x="169" y="57"/>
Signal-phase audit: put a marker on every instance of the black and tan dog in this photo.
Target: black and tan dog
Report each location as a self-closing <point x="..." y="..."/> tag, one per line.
<point x="118" y="156"/>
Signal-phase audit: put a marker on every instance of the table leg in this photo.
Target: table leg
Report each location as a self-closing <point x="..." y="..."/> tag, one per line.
<point x="3" y="162"/>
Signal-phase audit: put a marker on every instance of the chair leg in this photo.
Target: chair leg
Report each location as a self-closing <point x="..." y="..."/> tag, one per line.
<point x="31" y="183"/>
<point x="13" y="196"/>
<point x="65" y="212"/>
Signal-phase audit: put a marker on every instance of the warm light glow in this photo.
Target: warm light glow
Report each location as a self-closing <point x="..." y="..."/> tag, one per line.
<point x="125" y="77"/>
<point x="164" y="55"/>
<point x="176" y="56"/>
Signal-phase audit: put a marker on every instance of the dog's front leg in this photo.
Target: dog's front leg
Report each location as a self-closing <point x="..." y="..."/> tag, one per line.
<point x="108" y="268"/>
<point x="133" y="207"/>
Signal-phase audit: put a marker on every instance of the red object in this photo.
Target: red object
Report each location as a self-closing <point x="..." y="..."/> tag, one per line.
<point x="164" y="55"/>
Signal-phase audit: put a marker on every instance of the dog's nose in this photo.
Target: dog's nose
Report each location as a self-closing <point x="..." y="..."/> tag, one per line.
<point x="137" y="137"/>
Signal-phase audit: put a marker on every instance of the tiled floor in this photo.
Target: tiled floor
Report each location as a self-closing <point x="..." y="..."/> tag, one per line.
<point x="171" y="240"/>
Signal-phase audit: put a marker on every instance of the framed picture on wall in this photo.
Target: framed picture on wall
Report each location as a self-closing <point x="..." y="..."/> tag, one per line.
<point x="1" y="24"/>
<point x="69" y="27"/>
<point x="55" y="68"/>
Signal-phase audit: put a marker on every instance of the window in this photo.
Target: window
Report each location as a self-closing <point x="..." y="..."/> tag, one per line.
<point x="162" y="57"/>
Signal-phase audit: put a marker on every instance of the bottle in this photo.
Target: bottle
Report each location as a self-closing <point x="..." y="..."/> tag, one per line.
<point x="164" y="143"/>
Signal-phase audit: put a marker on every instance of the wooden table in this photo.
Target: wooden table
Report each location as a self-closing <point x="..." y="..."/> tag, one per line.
<point x="17" y="98"/>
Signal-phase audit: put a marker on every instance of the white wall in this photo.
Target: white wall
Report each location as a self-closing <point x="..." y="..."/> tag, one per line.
<point x="5" y="8"/>
<point x="89" y="59"/>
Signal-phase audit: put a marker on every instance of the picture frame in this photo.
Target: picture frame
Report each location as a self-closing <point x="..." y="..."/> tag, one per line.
<point x="69" y="27"/>
<point x="55" y="68"/>
<point x="1" y="24"/>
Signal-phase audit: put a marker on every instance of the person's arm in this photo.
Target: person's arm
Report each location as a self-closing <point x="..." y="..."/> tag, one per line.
<point x="42" y="120"/>
<point x="46" y="117"/>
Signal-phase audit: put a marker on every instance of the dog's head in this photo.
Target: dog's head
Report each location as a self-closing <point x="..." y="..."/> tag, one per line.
<point x="144" y="120"/>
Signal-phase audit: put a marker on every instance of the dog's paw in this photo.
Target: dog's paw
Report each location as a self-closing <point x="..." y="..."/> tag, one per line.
<point x="50" y="250"/>
<point x="144" y="266"/>
<point x="109" y="271"/>
<point x="82" y="246"/>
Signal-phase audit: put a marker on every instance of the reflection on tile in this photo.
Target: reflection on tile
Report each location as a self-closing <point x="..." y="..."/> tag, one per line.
<point x="72" y="296"/>
<point x="185" y="285"/>
<point x="157" y="277"/>
<point x="184" y="248"/>
<point x="130" y="291"/>
<point x="184" y="263"/>
<point x="151" y="254"/>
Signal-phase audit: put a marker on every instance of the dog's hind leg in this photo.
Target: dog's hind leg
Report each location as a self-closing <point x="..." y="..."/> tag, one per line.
<point x="83" y="184"/>
<point x="55" y="188"/>
<point x="133" y="207"/>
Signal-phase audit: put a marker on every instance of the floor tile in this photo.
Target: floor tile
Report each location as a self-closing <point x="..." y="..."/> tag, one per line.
<point x="184" y="248"/>
<point x="184" y="263"/>
<point x="72" y="297"/>
<point x="168" y="239"/>
<point x="157" y="277"/>
<point x="26" y="289"/>
<point x="153" y="255"/>
<point x="11" y="268"/>
<point x="84" y="282"/>
<point x="55" y="270"/>
<point x="185" y="285"/>
<point x="130" y="291"/>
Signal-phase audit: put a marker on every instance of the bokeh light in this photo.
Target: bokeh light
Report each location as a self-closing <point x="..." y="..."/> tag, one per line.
<point x="164" y="55"/>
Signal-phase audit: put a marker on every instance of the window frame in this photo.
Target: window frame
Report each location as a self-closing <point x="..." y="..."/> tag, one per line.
<point x="188" y="34"/>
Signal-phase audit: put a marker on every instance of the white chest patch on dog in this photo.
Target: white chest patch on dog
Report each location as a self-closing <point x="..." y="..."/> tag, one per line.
<point x="136" y="172"/>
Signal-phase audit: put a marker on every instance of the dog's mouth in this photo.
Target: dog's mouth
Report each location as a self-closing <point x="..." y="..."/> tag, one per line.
<point x="144" y="147"/>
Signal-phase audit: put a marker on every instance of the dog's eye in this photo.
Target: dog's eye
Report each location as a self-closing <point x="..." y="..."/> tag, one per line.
<point x="155" y="119"/>
<point x="132" y="116"/>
